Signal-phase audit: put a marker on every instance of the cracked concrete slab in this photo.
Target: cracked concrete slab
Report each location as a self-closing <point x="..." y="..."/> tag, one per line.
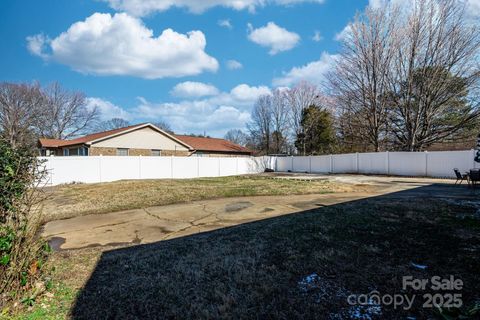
<point x="159" y="223"/>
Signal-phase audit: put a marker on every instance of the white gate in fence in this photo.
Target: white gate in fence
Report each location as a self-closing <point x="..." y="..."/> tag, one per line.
<point x="428" y="164"/>
<point x="104" y="169"/>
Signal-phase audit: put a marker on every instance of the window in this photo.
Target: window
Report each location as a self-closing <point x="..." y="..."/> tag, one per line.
<point x="156" y="153"/>
<point x="80" y="151"/>
<point x="122" y="152"/>
<point x="199" y="154"/>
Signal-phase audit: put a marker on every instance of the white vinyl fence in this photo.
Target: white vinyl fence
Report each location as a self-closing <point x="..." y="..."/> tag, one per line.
<point x="104" y="169"/>
<point x="438" y="164"/>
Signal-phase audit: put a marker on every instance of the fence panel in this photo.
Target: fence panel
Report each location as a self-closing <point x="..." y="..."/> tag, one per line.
<point x="228" y="166"/>
<point x="208" y="167"/>
<point x="407" y="163"/>
<point x="345" y="163"/>
<point x="185" y="167"/>
<point x="441" y="163"/>
<point x="284" y="164"/>
<point x="155" y="168"/>
<point x="373" y="163"/>
<point x="66" y="170"/>
<point x="114" y="168"/>
<point x="320" y="164"/>
<point x="301" y="164"/>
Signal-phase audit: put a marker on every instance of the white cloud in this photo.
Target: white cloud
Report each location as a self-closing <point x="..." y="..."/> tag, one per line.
<point x="246" y="93"/>
<point x="215" y="114"/>
<point x="190" y="89"/>
<point x="317" y="36"/>
<point x="145" y="7"/>
<point x="37" y="45"/>
<point x="196" y="116"/>
<point x="234" y="65"/>
<point x="313" y="72"/>
<point x="345" y="33"/>
<point x="107" y="109"/>
<point x="123" y="45"/>
<point x="225" y="23"/>
<point x="274" y="37"/>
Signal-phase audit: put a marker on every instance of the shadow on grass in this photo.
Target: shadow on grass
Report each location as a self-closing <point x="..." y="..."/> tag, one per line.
<point x="259" y="269"/>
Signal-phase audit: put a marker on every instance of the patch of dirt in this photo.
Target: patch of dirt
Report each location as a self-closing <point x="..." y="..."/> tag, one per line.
<point x="238" y="206"/>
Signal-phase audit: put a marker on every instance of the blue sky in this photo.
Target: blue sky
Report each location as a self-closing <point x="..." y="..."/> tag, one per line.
<point x="140" y="59"/>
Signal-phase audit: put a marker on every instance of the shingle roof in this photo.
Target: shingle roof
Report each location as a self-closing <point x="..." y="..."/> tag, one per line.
<point x="55" y="143"/>
<point x="212" y="144"/>
<point x="197" y="143"/>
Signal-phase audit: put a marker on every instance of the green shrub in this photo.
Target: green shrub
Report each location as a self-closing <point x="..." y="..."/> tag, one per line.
<point x="22" y="253"/>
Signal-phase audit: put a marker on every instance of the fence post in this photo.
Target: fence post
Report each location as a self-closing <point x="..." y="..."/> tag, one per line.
<point x="171" y="166"/>
<point x="219" y="166"/>
<point x="473" y="158"/>
<point x="139" y="167"/>
<point x="292" y="165"/>
<point x="331" y="163"/>
<point x="310" y="163"/>
<point x="236" y="166"/>
<point x="100" y="168"/>
<point x="198" y="167"/>
<point x="357" y="166"/>
<point x="388" y="162"/>
<point x="426" y="163"/>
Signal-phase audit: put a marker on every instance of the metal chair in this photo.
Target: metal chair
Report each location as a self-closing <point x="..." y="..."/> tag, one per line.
<point x="474" y="177"/>
<point x="460" y="177"/>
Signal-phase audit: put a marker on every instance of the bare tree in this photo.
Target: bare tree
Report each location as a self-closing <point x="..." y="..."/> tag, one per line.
<point x="114" y="123"/>
<point x="280" y="121"/>
<point x="236" y="136"/>
<point x="298" y="98"/>
<point x="407" y="78"/>
<point x="20" y="112"/>
<point x="436" y="75"/>
<point x="261" y="125"/>
<point x="65" y="113"/>
<point x="164" y="126"/>
<point x="361" y="76"/>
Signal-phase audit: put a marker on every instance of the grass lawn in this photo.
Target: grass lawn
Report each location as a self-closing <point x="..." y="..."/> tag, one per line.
<point x="298" y="266"/>
<point x="73" y="200"/>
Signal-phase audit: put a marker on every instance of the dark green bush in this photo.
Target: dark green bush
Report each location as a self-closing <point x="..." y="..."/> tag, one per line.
<point x="22" y="252"/>
<point x="17" y="174"/>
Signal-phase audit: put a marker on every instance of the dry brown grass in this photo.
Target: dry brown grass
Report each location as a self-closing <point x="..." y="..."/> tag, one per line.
<point x="255" y="270"/>
<point x="68" y="201"/>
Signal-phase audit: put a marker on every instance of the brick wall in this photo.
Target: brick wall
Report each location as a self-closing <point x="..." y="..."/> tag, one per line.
<point x="139" y="152"/>
<point x="96" y="151"/>
<point x="168" y="153"/>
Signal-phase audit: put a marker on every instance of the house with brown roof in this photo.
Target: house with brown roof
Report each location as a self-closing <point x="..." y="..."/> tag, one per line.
<point x="140" y="140"/>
